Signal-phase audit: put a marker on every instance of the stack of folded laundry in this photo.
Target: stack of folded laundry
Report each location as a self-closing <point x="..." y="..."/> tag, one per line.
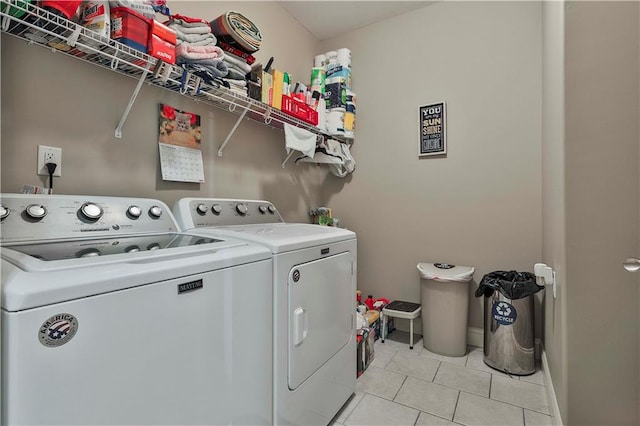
<point x="196" y="48"/>
<point x="239" y="38"/>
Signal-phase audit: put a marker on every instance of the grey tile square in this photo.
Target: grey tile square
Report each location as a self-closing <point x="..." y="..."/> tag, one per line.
<point x="414" y="365"/>
<point x="428" y="397"/>
<point x="473" y="410"/>
<point x="456" y="360"/>
<point x="373" y="410"/>
<point x="348" y="407"/>
<point x="382" y="354"/>
<point x="537" y="378"/>
<point x="380" y="382"/>
<point x="475" y="360"/>
<point x="531" y="418"/>
<point x="522" y="394"/>
<point x="399" y="341"/>
<point x="426" y="419"/>
<point x="465" y="379"/>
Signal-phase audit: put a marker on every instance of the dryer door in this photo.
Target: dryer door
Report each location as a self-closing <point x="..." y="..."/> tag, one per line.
<point x="321" y="307"/>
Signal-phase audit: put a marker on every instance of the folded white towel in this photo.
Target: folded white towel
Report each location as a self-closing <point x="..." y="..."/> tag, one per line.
<point x="299" y="139"/>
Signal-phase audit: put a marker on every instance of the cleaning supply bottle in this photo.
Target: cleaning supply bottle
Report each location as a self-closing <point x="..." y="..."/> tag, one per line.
<point x="370" y="301"/>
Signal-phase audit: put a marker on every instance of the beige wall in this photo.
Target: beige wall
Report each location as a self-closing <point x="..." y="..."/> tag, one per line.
<point x="601" y="71"/>
<point x="553" y="195"/>
<point x="478" y="206"/>
<point x="51" y="99"/>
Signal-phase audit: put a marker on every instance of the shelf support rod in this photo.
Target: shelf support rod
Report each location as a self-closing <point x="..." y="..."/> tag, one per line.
<point x="233" y="130"/>
<point x="134" y="95"/>
<point x="287" y="159"/>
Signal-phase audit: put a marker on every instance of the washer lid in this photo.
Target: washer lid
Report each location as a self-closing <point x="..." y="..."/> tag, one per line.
<point x="444" y="272"/>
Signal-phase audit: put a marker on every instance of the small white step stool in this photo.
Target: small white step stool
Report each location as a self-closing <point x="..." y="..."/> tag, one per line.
<point x="400" y="309"/>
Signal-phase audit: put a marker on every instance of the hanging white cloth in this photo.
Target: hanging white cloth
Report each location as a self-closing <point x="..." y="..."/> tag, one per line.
<point x="299" y="139"/>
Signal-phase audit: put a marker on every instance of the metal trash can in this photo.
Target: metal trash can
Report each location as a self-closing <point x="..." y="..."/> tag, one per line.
<point x="509" y="321"/>
<point x="445" y="304"/>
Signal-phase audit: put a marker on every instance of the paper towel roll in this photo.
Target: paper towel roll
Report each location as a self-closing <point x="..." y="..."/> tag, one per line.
<point x="344" y="57"/>
<point x="335" y="121"/>
<point x="322" y="116"/>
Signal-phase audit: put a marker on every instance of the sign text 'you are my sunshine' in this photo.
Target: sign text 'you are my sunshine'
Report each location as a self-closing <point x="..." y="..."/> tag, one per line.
<point x="432" y="130"/>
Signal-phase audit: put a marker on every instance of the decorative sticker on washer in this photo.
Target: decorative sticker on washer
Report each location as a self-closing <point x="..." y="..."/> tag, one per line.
<point x="296" y="276"/>
<point x="504" y="313"/>
<point x="58" y="330"/>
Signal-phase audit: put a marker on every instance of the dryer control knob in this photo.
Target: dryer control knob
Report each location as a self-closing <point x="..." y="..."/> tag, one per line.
<point x="4" y="212"/>
<point x="216" y="208"/>
<point x="134" y="211"/>
<point x="132" y="249"/>
<point x="91" y="211"/>
<point x="262" y="209"/>
<point x="242" y="209"/>
<point x="272" y="209"/>
<point x="155" y="212"/>
<point x="202" y="208"/>
<point x="36" y="211"/>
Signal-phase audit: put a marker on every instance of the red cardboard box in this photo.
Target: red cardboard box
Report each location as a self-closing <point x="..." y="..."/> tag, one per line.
<point x="130" y="28"/>
<point x="162" y="42"/>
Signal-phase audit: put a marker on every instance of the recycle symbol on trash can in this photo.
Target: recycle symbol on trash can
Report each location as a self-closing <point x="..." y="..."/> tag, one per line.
<point x="503" y="309"/>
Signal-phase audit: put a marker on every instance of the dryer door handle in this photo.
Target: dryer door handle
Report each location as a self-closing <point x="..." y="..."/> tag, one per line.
<point x="300" y="325"/>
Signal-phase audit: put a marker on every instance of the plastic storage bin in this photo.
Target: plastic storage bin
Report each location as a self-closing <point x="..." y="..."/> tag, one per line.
<point x="508" y="321"/>
<point x="445" y="305"/>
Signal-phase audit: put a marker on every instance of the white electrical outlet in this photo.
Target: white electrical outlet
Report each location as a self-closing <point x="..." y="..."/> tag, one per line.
<point x="49" y="154"/>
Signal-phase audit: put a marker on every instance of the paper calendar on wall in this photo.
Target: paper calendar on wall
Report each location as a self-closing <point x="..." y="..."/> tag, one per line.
<point x="179" y="145"/>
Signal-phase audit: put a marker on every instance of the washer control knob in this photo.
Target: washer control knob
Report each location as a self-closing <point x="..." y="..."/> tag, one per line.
<point x="153" y="246"/>
<point x="132" y="249"/>
<point x="88" y="252"/>
<point x="155" y="212"/>
<point x="36" y="211"/>
<point x="262" y="209"/>
<point x="134" y="211"/>
<point x="4" y="212"/>
<point x="202" y="208"/>
<point x="272" y="209"/>
<point x="216" y="208"/>
<point x="91" y="211"/>
<point x="242" y="209"/>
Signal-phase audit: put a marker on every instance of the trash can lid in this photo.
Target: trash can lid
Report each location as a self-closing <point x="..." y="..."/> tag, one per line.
<point x="444" y="272"/>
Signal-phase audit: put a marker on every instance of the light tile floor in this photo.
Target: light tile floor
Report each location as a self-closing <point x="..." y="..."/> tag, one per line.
<point x="417" y="387"/>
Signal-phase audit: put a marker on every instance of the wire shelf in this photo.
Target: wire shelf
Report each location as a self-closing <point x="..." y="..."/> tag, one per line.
<point x="39" y="27"/>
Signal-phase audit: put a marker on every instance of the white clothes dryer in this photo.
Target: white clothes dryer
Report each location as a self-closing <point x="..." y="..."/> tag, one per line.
<point x="314" y="276"/>
<point x="111" y="316"/>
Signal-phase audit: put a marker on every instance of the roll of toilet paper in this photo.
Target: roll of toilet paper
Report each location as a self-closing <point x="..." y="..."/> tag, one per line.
<point x="344" y="57"/>
<point x="335" y="121"/>
<point x="319" y="61"/>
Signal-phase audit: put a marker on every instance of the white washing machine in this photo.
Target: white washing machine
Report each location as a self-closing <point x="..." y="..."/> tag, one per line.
<point x="314" y="275"/>
<point x="111" y="316"/>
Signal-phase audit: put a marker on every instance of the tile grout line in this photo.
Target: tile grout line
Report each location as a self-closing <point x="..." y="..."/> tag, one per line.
<point x="398" y="391"/>
<point x="456" y="407"/>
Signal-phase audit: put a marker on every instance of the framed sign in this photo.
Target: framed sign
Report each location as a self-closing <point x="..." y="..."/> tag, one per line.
<point x="432" y="130"/>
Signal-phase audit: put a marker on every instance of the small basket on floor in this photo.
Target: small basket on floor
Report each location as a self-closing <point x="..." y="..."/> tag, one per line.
<point x="400" y="309"/>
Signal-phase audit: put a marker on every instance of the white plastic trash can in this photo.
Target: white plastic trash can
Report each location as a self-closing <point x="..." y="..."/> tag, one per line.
<point x="445" y="305"/>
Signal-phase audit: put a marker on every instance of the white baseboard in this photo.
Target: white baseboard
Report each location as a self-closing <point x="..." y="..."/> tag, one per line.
<point x="554" y="409"/>
<point x="475" y="337"/>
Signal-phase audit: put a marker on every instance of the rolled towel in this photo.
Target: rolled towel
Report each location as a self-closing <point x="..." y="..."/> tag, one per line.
<point x="238" y="31"/>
